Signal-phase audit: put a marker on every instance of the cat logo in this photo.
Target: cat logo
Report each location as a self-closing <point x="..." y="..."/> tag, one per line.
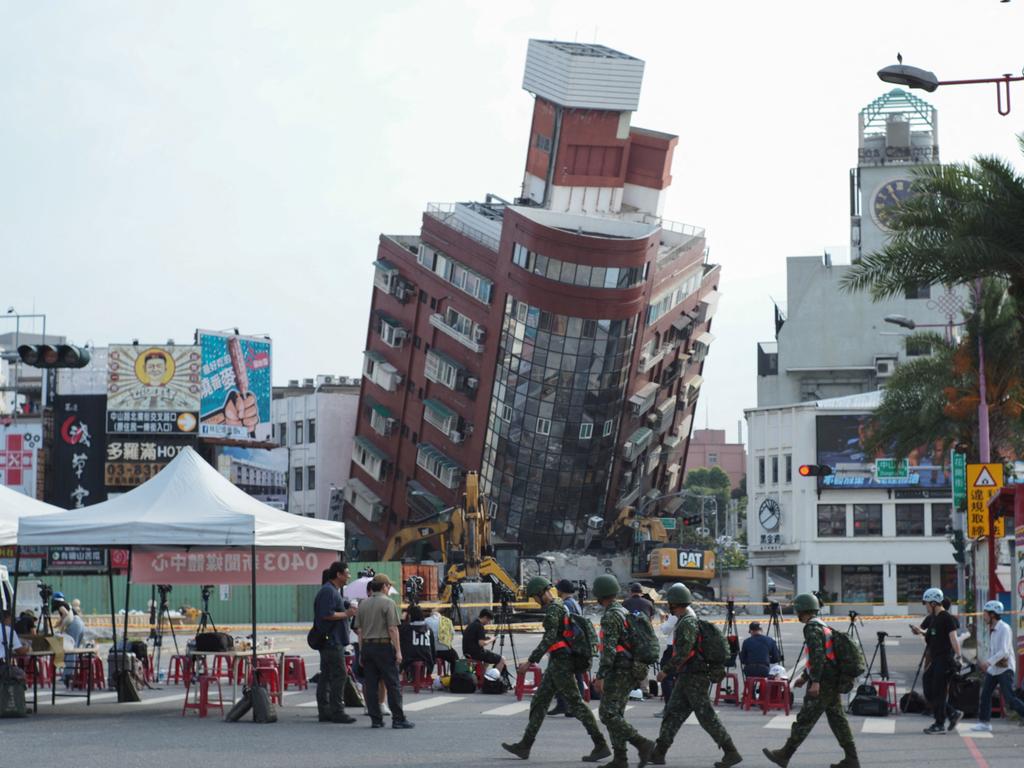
<point x="691" y="559"/>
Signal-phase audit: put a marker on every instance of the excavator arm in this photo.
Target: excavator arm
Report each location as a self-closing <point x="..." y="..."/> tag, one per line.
<point x="412" y="534"/>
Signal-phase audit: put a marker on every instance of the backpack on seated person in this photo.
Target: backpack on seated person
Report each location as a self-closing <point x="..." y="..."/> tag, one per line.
<point x="641" y="639"/>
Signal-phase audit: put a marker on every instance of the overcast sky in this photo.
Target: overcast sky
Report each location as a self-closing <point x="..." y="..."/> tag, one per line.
<point x="172" y="165"/>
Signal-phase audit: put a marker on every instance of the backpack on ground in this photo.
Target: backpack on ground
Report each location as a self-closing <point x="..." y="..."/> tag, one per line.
<point x="641" y="639"/>
<point x="493" y="686"/>
<point x="462" y="682"/>
<point x="865" y="705"/>
<point x="914" y="701"/>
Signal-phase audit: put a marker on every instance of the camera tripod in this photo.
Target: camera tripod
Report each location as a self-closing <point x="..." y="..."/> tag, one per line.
<point x="775" y="628"/>
<point x="157" y="632"/>
<point x="503" y="623"/>
<point x="44" y="626"/>
<point x="883" y="661"/>
<point x="205" y="619"/>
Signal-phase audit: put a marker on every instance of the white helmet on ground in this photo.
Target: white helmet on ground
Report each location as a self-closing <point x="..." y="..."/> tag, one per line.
<point x="994" y="606"/>
<point x="932" y="595"/>
<point x="492" y="674"/>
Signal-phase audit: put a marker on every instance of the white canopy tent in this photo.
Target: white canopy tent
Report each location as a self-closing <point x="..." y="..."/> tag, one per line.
<point x="13" y="507"/>
<point x="188" y="504"/>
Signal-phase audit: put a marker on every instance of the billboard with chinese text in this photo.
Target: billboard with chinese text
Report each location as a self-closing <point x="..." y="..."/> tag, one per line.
<point x="235" y="387"/>
<point x="152" y="389"/>
<point x="201" y="565"/>
<point x="19" y="457"/>
<point x="79" y="449"/>
<point x="131" y="461"/>
<point x="841" y="442"/>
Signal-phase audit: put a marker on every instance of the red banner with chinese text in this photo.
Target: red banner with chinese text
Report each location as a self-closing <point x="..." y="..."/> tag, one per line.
<point x="202" y="565"/>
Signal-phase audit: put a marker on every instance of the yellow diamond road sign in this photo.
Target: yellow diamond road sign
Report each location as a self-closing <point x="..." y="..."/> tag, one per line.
<point x="983" y="482"/>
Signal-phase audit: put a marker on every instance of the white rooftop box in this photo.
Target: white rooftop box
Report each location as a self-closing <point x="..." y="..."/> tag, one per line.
<point x="583" y="75"/>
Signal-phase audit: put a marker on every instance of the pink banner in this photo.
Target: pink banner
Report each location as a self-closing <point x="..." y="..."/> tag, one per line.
<point x="202" y="565"/>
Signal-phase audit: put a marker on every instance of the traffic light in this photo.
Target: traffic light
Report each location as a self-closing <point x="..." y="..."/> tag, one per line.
<point x="54" y="356"/>
<point x="815" y="470"/>
<point x="959" y="547"/>
<point x="691" y="519"/>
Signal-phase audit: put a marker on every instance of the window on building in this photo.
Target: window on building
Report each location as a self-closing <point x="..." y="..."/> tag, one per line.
<point x="586" y="431"/>
<point x="862" y="583"/>
<point x="760" y="470"/>
<point x="543" y="426"/>
<point x="923" y="291"/>
<point x="867" y="519"/>
<point x="311" y="478"/>
<point x="831" y="519"/>
<point x="298" y="479"/>
<point x="789" y="468"/>
<point x="712" y="459"/>
<point x="282" y="433"/>
<point x="298" y="432"/>
<point x="918" y="347"/>
<point x="441" y="369"/>
<point x="910" y="519"/>
<point x="775" y="470"/>
<point x="543" y="142"/>
<point x="911" y="582"/>
<point x="311" y="431"/>
<point x="609" y="425"/>
<point x="505" y="412"/>
<point x="942" y="518"/>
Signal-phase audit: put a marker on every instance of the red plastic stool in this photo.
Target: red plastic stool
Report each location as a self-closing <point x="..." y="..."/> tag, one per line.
<point x="752" y="686"/>
<point x="179" y="669"/>
<point x="523" y="687"/>
<point x="223" y="667"/>
<point x="348" y="665"/>
<point x="775" y="695"/>
<point x="727" y="689"/>
<point x="586" y="687"/>
<point x="268" y="676"/>
<point x="417" y="676"/>
<point x="295" y="672"/>
<point x="83" y="668"/>
<point x="202" y="701"/>
<point x="887" y="690"/>
<point x="442" y="668"/>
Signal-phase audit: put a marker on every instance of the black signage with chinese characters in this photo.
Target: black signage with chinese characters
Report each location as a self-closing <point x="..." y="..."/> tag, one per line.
<point x="132" y="461"/>
<point x="79" y="448"/>
<point x="151" y="422"/>
<point x="77" y="558"/>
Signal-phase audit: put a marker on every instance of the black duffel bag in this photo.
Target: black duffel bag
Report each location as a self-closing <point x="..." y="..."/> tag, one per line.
<point x="914" y="703"/>
<point x="869" y="706"/>
<point x="214" y="642"/>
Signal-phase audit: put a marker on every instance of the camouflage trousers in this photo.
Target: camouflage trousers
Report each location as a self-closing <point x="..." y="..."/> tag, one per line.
<point x="829" y="701"/>
<point x="560" y="678"/>
<point x="614" y="696"/>
<point x="691" y="694"/>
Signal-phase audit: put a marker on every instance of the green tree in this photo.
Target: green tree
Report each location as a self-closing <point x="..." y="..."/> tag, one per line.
<point x="964" y="221"/>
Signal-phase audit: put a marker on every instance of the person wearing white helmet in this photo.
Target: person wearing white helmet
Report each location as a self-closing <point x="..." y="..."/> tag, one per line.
<point x="943" y="654"/>
<point x="999" y="667"/>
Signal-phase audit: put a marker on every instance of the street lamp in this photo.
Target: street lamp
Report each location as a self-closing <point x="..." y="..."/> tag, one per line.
<point x="915" y="77"/>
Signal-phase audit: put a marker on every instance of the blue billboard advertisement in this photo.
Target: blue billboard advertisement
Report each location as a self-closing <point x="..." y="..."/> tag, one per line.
<point x="235" y="387"/>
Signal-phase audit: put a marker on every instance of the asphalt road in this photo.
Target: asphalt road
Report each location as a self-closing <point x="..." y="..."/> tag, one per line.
<point x="466" y="730"/>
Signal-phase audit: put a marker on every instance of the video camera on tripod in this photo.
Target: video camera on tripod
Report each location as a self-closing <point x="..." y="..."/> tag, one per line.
<point x="366" y="573"/>
<point x="45" y="594"/>
<point x="505" y="595"/>
<point x="414" y="589"/>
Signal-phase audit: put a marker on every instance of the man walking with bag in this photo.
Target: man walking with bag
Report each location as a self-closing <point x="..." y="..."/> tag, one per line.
<point x="330" y="626"/>
<point x="559" y="677"/>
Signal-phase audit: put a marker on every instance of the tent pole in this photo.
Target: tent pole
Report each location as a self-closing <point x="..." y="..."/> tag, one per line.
<point x="113" y="616"/>
<point x="127" y="597"/>
<point x="13" y="607"/>
<point x="253" y="608"/>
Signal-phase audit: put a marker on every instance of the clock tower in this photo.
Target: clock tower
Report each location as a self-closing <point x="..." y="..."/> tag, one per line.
<point x="897" y="133"/>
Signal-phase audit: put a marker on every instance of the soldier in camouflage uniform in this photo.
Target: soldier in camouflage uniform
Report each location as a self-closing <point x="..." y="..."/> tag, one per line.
<point x="559" y="677"/>
<point x="617" y="675"/>
<point x="823" y="693"/>
<point x="691" y="690"/>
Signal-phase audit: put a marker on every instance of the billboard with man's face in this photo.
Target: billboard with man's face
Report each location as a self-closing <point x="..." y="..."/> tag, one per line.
<point x="152" y="389"/>
<point x="236" y="387"/>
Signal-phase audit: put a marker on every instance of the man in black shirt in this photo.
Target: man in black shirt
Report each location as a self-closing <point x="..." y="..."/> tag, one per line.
<point x="416" y="641"/>
<point x="637" y="603"/>
<point x="943" y="654"/>
<point x="476" y="643"/>
<point x="331" y="622"/>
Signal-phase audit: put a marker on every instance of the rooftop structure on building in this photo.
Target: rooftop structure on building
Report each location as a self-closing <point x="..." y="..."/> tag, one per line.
<point x="553" y="342"/>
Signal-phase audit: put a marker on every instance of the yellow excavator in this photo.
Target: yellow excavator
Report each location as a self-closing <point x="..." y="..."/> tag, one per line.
<point x="464" y="535"/>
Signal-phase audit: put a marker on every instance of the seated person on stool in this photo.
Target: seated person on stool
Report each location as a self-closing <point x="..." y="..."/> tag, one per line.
<point x="476" y="643"/>
<point x="416" y="641"/>
<point x="758" y="653"/>
<point x="443" y="631"/>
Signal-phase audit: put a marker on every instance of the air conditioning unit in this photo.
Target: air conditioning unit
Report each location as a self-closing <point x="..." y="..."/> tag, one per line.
<point x="401" y="292"/>
<point x="400" y="335"/>
<point x="390" y="424"/>
<point x="653" y="419"/>
<point x="479" y="334"/>
<point x="472" y="383"/>
<point x="885" y="367"/>
<point x="456" y="437"/>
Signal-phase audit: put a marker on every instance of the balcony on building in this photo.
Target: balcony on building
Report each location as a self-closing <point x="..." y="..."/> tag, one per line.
<point x="391" y="330"/>
<point x="649" y="359"/>
<point x="443" y="370"/>
<point x="701" y="345"/>
<point x="387" y="279"/>
<point x="445" y="470"/>
<point x="477" y="221"/>
<point x="662" y="417"/>
<point x="443" y="418"/>
<point x="423" y="505"/>
<point x="643" y="399"/>
<point x="363" y="500"/>
<point x="370" y="458"/>
<point x="377" y="369"/>
<point x="708" y="306"/>
<point x="459" y="327"/>
<point x="637" y="443"/>
<point x="692" y="387"/>
<point x="676" y="239"/>
<point x="381" y="420"/>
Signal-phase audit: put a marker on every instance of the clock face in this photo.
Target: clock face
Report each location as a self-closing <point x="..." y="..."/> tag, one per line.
<point x="888" y="195"/>
<point x="769" y="514"/>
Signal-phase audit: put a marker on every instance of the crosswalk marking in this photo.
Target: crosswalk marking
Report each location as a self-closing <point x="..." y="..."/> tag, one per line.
<point x="892" y="642"/>
<point x="161" y="699"/>
<point x="509" y="709"/>
<point x="964" y="729"/>
<point x="434" y="701"/>
<point x="307" y="704"/>
<point x="75" y="700"/>
<point x="781" y="722"/>
<point x="878" y="725"/>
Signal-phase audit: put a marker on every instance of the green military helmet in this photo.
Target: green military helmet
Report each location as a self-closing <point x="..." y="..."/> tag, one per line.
<point x="678" y="594"/>
<point x="806" y="603"/>
<point x="538" y="585"/>
<point x="605" y="585"/>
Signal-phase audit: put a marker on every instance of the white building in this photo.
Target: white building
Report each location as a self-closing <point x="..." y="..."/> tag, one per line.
<point x="874" y="542"/>
<point x="317" y="422"/>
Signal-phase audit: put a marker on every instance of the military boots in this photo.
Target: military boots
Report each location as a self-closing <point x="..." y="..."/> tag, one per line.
<point x="520" y="749"/>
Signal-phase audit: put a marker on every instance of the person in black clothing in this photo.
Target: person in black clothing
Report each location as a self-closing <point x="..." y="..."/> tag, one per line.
<point x="476" y="643"/>
<point x="637" y="602"/>
<point x="759" y="652"/>
<point x="942" y="657"/>
<point x="416" y="640"/>
<point x="331" y="621"/>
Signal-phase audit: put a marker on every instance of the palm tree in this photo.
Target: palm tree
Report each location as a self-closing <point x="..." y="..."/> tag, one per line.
<point x="965" y="221"/>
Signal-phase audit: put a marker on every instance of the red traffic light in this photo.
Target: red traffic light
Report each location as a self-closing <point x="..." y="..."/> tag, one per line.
<point x="815" y="470"/>
<point x="50" y="356"/>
